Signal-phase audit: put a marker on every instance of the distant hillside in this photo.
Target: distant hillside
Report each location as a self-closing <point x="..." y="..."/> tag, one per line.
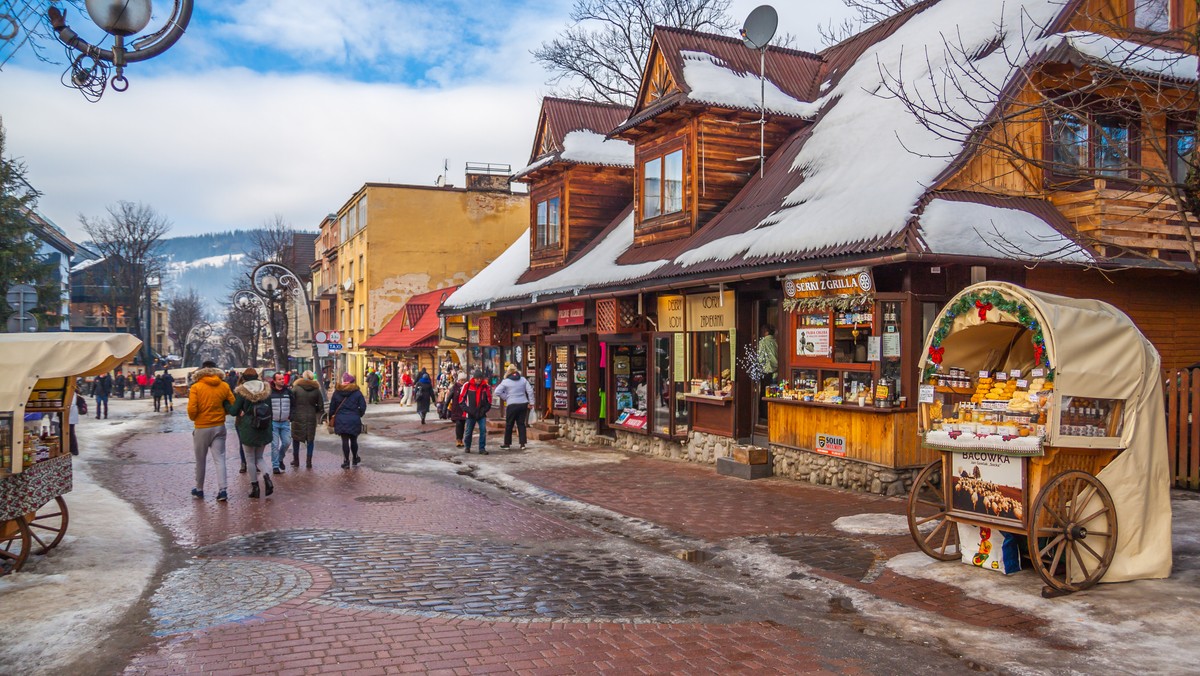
<point x="208" y="263"/>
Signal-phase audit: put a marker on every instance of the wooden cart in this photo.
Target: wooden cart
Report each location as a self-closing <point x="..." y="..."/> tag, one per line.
<point x="35" y="459"/>
<point x="1048" y="413"/>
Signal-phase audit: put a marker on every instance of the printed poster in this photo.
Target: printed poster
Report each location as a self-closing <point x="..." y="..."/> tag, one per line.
<point x="812" y="341"/>
<point x="991" y="485"/>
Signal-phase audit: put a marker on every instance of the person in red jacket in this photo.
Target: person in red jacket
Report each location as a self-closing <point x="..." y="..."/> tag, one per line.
<point x="475" y="401"/>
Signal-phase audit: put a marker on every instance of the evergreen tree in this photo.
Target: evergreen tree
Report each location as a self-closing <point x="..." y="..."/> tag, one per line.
<point x="19" y="259"/>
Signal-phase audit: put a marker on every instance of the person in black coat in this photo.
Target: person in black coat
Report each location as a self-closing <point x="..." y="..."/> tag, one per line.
<point x="456" y="410"/>
<point x="423" y="394"/>
<point x="348" y="406"/>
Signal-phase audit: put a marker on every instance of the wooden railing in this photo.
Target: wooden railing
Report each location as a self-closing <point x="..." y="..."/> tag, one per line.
<point x="1183" y="427"/>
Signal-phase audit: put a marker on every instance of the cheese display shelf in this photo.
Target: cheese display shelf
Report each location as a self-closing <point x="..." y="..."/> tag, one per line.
<point x="1048" y="413"/>
<point x="35" y="459"/>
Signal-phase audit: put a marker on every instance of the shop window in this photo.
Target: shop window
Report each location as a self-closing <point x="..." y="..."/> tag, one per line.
<point x="669" y="412"/>
<point x="1152" y="15"/>
<point x="579" y="380"/>
<point x="1180" y="152"/>
<point x="561" y="396"/>
<point x="662" y="185"/>
<point x="712" y="363"/>
<point x="630" y="387"/>
<point x="548" y="228"/>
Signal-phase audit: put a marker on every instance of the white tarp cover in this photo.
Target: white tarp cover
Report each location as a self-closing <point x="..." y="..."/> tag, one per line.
<point x="1097" y="351"/>
<point x="26" y="358"/>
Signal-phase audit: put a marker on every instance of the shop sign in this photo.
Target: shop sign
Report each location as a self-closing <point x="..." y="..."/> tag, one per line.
<point x="849" y="282"/>
<point x="991" y="485"/>
<point x="670" y="313"/>
<point x="828" y="444"/>
<point x="571" y="314"/>
<point x="680" y="353"/>
<point x="812" y="341"/>
<point x="710" y="311"/>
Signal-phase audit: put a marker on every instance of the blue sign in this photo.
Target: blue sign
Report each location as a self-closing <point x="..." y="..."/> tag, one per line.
<point x="335" y="347"/>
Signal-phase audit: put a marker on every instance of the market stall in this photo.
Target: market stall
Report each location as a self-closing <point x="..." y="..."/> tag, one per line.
<point x="35" y="459"/>
<point x="1048" y="413"/>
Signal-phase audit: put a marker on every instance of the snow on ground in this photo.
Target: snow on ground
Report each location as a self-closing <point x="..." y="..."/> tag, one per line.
<point x="873" y="524"/>
<point x="63" y="605"/>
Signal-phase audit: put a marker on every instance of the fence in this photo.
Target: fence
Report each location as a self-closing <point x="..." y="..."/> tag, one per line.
<point x="1183" y="427"/>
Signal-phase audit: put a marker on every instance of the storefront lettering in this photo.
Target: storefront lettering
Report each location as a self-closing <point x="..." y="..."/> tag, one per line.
<point x="836" y="283"/>
<point x="571" y="314"/>
<point x="710" y="312"/>
<point x="670" y="313"/>
<point x="987" y="457"/>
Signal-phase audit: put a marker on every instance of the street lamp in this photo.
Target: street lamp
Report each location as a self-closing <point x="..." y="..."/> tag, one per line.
<point x="121" y="19"/>
<point x="199" y="333"/>
<point x="270" y="279"/>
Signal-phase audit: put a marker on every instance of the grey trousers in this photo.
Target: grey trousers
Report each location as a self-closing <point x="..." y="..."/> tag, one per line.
<point x="255" y="462"/>
<point x="209" y="440"/>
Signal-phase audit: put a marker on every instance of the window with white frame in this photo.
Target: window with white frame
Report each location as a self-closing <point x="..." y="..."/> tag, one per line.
<point x="549" y="232"/>
<point x="662" y="185"/>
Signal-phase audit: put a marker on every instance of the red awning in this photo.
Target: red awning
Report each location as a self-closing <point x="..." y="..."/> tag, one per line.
<point x="414" y="326"/>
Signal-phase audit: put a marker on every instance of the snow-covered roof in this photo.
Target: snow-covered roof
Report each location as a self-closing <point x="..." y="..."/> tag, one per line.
<point x="868" y="160"/>
<point x="711" y="80"/>
<point x="597" y="266"/>
<point x="1131" y="57"/>
<point x="79" y="267"/>
<point x="971" y="229"/>
<point x="583" y="146"/>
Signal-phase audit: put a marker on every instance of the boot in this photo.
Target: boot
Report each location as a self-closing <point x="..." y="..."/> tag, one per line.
<point x="356" y="460"/>
<point x="243" y="469"/>
<point x="308" y="463"/>
<point x="270" y="487"/>
<point x="254" y="490"/>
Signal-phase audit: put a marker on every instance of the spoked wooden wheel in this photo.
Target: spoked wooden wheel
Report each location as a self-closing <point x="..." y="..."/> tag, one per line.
<point x="49" y="525"/>
<point x="14" y="545"/>
<point x="928" y="515"/>
<point x="1072" y="532"/>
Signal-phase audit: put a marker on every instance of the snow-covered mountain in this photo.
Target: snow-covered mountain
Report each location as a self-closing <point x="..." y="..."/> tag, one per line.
<point x="208" y="263"/>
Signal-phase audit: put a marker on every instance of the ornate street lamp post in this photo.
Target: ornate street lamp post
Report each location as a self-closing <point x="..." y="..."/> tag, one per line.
<point x="121" y="19"/>
<point x="274" y="281"/>
<point x="199" y="333"/>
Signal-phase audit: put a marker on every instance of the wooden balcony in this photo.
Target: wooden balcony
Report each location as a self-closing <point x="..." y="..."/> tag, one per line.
<point x="1120" y="220"/>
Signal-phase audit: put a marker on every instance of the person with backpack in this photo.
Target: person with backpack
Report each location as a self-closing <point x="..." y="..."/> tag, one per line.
<point x="168" y="390"/>
<point x="517" y="394"/>
<point x="119" y="385"/>
<point x="208" y="401"/>
<point x="454" y="409"/>
<point x="156" y="391"/>
<point x="423" y="394"/>
<point x="101" y="391"/>
<point x="373" y="386"/>
<point x="282" y="403"/>
<point x="254" y="421"/>
<point x="309" y="402"/>
<point x="347" y="408"/>
<point x="476" y="401"/>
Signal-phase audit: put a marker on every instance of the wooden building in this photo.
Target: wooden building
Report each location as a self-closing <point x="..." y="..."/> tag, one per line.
<point x="889" y="184"/>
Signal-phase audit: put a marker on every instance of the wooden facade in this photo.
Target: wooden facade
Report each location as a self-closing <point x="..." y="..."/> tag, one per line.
<point x="591" y="196"/>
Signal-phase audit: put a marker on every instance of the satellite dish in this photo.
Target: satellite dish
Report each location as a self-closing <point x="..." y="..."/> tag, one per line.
<point x="760" y="27"/>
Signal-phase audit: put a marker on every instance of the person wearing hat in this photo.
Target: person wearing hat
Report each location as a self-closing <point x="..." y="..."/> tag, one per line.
<point x="455" y="409"/>
<point x="476" y="400"/>
<point x="348" y="405"/>
<point x="208" y="399"/>
<point x="308" y="404"/>
<point x="517" y="394"/>
<point x="254" y="427"/>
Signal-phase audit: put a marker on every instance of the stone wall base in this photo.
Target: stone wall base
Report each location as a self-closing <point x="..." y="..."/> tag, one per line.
<point x="827" y="470"/>
<point x="704" y="448"/>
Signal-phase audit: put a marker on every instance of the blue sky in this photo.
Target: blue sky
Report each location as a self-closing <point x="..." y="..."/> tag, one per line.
<point x="286" y="107"/>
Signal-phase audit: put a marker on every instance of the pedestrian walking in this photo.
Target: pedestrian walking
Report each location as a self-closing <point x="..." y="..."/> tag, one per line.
<point x="476" y="401"/>
<point x="119" y="385"/>
<point x="101" y="391"/>
<point x="455" y="409"/>
<point x="143" y="382"/>
<point x="156" y="392"/>
<point x="232" y="379"/>
<point x="254" y="422"/>
<point x="78" y="408"/>
<point x="517" y="394"/>
<point x="208" y="399"/>
<point x="282" y="402"/>
<point x="423" y="394"/>
<point x="348" y="407"/>
<point x="373" y="386"/>
<point x="168" y="390"/>
<point x="308" y="404"/>
<point x="406" y="382"/>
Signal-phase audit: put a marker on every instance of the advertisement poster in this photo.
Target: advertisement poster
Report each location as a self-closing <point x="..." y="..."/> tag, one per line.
<point x="828" y="444"/>
<point x="812" y="341"/>
<point x="989" y="548"/>
<point x="988" y="484"/>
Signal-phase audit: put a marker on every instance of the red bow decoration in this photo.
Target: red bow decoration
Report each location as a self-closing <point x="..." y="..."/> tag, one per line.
<point x="1038" y="350"/>
<point x="935" y="354"/>
<point x="983" y="308"/>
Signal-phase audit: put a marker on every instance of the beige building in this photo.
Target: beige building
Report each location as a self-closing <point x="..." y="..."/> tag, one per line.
<point x="397" y="241"/>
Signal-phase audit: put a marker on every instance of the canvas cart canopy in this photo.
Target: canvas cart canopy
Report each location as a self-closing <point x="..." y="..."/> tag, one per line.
<point x="1087" y="348"/>
<point x="27" y="358"/>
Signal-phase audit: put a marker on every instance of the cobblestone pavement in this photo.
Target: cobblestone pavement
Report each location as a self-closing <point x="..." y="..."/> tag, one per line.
<point x="431" y="570"/>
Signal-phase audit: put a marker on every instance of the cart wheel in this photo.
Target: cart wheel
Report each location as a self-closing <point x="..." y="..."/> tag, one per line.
<point x="1074" y="526"/>
<point x="48" y="527"/>
<point x="927" y="505"/>
<point x="14" y="545"/>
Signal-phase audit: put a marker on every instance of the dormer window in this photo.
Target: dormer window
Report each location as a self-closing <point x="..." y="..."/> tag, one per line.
<point x="1093" y="144"/>
<point x="1152" y="15"/>
<point x="549" y="231"/>
<point x="662" y="185"/>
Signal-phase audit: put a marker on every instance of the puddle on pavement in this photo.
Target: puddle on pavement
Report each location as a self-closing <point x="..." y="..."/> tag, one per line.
<point x="382" y="499"/>
<point x="694" y="555"/>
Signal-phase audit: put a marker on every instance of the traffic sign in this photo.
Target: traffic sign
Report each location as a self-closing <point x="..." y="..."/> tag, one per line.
<point x="22" y="297"/>
<point x="335" y="337"/>
<point x="321" y="337"/>
<point x="22" y="322"/>
<point x="334" y="347"/>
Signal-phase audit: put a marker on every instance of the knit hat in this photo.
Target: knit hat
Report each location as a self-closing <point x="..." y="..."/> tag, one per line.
<point x="462" y="377"/>
<point x="347" y="378"/>
<point x="309" y="375"/>
<point x="249" y="374"/>
<point x="478" y="373"/>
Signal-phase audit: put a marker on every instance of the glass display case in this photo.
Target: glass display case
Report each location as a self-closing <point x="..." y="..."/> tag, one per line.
<point x="6" y="443"/>
<point x="669" y="411"/>
<point x="712" y="363"/>
<point x="579" y="380"/>
<point x="630" y="388"/>
<point x="1090" y="417"/>
<point x="561" y="396"/>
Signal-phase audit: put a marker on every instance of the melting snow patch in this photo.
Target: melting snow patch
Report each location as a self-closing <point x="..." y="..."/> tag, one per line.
<point x="873" y="524"/>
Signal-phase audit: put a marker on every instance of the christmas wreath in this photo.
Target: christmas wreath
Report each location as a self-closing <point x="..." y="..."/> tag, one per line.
<point x="981" y="302"/>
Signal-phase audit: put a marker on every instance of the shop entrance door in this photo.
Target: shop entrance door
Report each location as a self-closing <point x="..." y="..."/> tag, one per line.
<point x="766" y="336"/>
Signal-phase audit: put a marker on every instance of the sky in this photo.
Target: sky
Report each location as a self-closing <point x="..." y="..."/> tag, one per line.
<point x="286" y="107"/>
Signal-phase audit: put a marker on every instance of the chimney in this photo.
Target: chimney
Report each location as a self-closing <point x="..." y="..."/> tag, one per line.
<point x="489" y="177"/>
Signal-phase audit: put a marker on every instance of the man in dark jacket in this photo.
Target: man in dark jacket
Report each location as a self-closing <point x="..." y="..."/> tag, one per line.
<point x="373" y="387"/>
<point x="102" y="390"/>
<point x="231" y="379"/>
<point x="475" y="400"/>
<point x="119" y="385"/>
<point x="282" y="403"/>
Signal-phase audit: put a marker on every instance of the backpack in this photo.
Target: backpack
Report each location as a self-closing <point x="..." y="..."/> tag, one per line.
<point x="260" y="415"/>
<point x="80" y="404"/>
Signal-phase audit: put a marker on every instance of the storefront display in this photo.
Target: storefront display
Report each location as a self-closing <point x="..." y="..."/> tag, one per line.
<point x="1048" y="413"/>
<point x="562" y="378"/>
<point x="669" y="385"/>
<point x="628" y="370"/>
<point x="579" y="378"/>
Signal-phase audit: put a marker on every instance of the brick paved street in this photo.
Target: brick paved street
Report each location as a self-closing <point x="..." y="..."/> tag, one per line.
<point x="560" y="560"/>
